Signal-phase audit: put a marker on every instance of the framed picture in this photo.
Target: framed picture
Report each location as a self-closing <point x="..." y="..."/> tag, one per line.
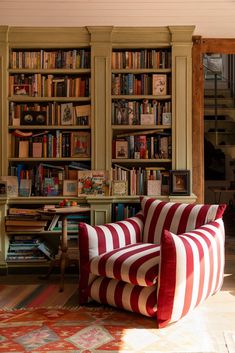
<point x="67" y="114"/>
<point x="179" y="182"/>
<point x="121" y="149"/>
<point x="70" y="188"/>
<point x="12" y="185"/>
<point x="119" y="188"/>
<point x="22" y="90"/>
<point x="3" y="188"/>
<point x="81" y="144"/>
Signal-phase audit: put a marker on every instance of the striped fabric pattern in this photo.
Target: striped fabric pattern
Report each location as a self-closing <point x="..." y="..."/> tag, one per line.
<point x="175" y="217"/>
<point x="97" y="240"/>
<point x="191" y="269"/>
<point x="125" y="295"/>
<point x="135" y="263"/>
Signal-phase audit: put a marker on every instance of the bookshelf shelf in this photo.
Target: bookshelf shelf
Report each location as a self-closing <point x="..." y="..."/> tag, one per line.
<point x="139" y="71"/>
<point x="50" y="71"/>
<point x="48" y="99"/>
<point x="141" y="96"/>
<point x="61" y="159"/>
<point x="143" y="160"/>
<point x="50" y="127"/>
<point x="140" y="127"/>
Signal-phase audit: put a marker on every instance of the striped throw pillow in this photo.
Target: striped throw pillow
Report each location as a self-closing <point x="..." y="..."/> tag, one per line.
<point x="175" y="217"/>
<point x="191" y="269"/>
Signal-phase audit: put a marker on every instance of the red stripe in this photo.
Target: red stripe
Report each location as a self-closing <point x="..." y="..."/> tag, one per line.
<point x="118" y="294"/>
<point x="40" y="299"/>
<point x="151" y="302"/>
<point x="83" y="260"/>
<point x="134" y="298"/>
<point x="220" y="210"/>
<point x="103" y="290"/>
<point x="166" y="291"/>
<point x="101" y="240"/>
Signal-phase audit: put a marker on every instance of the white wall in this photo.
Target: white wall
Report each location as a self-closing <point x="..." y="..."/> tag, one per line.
<point x="213" y="18"/>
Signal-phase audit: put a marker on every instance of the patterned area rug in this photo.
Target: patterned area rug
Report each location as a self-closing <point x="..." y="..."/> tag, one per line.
<point x="229" y="337"/>
<point x="89" y="330"/>
<point x="38" y="295"/>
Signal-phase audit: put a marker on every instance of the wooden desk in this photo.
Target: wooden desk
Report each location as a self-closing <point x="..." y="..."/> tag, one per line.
<point x="63" y="212"/>
<point x="219" y="191"/>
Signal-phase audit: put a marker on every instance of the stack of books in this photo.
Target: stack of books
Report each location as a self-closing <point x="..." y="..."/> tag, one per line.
<point x="24" y="220"/>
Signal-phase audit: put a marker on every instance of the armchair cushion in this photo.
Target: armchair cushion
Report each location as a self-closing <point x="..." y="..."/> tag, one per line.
<point x="191" y="269"/>
<point x="124" y="295"/>
<point x="175" y="217"/>
<point x="136" y="263"/>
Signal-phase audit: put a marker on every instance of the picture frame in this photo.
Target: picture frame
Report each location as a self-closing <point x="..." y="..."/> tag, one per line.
<point x="12" y="185"/>
<point x="22" y="90"/>
<point x="119" y="188"/>
<point x="3" y="188"/>
<point x="179" y="182"/>
<point x="81" y="144"/>
<point x="121" y="149"/>
<point x="66" y="114"/>
<point x="70" y="187"/>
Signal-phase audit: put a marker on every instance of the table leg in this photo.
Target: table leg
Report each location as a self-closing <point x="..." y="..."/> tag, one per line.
<point x="63" y="257"/>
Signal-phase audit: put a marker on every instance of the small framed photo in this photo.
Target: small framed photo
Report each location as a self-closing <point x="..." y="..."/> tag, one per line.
<point x="121" y="149"/>
<point x="67" y="114"/>
<point x="119" y="188"/>
<point x="70" y="187"/>
<point x="22" y="90"/>
<point x="81" y="144"/>
<point x="179" y="182"/>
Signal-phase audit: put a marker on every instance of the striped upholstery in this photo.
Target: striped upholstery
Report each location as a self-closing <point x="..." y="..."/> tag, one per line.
<point x="125" y="295"/>
<point x="136" y="263"/>
<point x="97" y="240"/>
<point x="191" y="269"/>
<point x="175" y="217"/>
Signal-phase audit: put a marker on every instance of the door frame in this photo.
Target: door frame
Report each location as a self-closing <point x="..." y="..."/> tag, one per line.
<point x="200" y="47"/>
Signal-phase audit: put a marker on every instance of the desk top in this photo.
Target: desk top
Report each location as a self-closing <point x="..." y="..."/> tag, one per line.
<point x="65" y="210"/>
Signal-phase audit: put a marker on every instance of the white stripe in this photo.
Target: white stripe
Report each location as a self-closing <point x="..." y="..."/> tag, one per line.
<point x="149" y="218"/>
<point x="179" y="295"/>
<point x="92" y="241"/>
<point x="177" y="218"/>
<point x="111" y="292"/>
<point x="95" y="287"/>
<point x="126" y="297"/>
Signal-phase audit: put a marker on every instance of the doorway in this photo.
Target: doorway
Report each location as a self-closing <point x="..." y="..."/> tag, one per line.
<point x="202" y="47"/>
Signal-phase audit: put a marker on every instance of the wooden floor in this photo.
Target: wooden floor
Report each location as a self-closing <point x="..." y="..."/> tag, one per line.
<point x="204" y="329"/>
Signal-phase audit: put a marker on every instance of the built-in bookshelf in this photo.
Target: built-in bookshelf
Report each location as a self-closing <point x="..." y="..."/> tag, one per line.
<point x="103" y="98"/>
<point x="141" y="116"/>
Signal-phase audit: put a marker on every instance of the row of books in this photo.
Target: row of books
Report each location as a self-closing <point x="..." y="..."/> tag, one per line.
<point x="147" y="112"/>
<point x="38" y="85"/>
<point x="141" y="59"/>
<point x="50" y="59"/>
<point x="56" y="144"/>
<point x="142" y="146"/>
<point x="138" y="84"/>
<point x="55" y="114"/>
<point x="122" y="211"/>
<point x="143" y="181"/>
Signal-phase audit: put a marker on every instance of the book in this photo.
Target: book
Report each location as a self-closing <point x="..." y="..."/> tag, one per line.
<point x="92" y="182"/>
<point x="159" y="84"/>
<point x="24" y="229"/>
<point x="46" y="250"/>
<point x="66" y="114"/>
<point x="25" y="222"/>
<point x="25" y="187"/>
<point x="82" y="114"/>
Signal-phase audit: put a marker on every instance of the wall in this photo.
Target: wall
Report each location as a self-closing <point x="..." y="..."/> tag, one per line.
<point x="213" y="18"/>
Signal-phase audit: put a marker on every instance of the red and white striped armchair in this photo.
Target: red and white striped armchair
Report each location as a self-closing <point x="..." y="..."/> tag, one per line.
<point x="162" y="263"/>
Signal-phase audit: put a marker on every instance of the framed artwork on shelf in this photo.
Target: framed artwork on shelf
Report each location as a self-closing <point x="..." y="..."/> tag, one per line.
<point x="3" y="188"/>
<point x="70" y="188"/>
<point x="179" y="182"/>
<point x="119" y="188"/>
<point x="81" y="144"/>
<point x="12" y="185"/>
<point x="22" y="90"/>
<point x="67" y="114"/>
<point x="121" y="149"/>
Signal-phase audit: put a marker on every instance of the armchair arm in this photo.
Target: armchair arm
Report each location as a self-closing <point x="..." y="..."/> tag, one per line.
<point x="97" y="240"/>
